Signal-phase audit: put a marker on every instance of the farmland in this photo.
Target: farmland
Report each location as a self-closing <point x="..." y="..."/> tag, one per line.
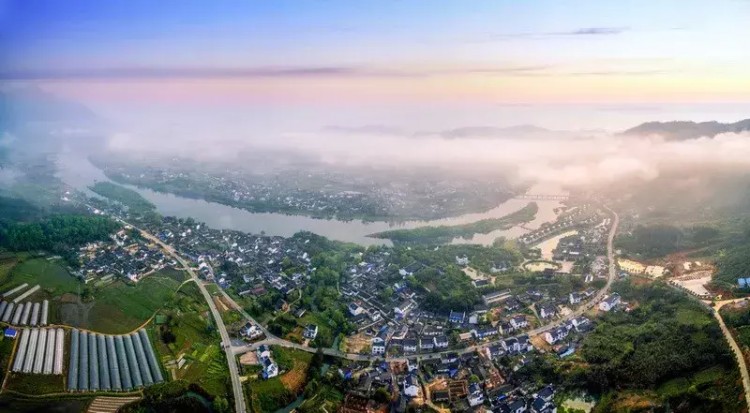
<point x="121" y="307"/>
<point x="275" y="393"/>
<point x="16" y="404"/>
<point x="50" y="274"/>
<point x="186" y="337"/>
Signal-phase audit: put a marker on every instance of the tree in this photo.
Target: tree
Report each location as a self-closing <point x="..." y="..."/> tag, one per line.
<point x="220" y="405"/>
<point x="382" y="395"/>
<point x="386" y="293"/>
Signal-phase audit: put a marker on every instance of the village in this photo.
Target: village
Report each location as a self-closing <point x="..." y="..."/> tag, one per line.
<point x="320" y="191"/>
<point x="459" y="359"/>
<point x="464" y="356"/>
<point x="126" y="255"/>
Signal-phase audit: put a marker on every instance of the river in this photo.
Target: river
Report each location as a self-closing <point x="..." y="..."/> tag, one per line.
<point x="76" y="171"/>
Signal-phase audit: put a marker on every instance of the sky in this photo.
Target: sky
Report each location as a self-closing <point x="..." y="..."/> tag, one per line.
<point x="421" y="64"/>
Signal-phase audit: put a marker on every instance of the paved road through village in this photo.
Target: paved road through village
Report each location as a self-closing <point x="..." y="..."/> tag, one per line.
<point x="226" y="343"/>
<point x="231" y="351"/>
<point x="273" y="340"/>
<point x="735" y="348"/>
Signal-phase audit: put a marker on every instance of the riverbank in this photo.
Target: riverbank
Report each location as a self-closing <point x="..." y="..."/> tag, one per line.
<point x="445" y="234"/>
<point x="80" y="174"/>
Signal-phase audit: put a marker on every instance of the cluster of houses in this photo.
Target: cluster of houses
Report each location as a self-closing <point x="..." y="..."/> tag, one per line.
<point x="582" y="216"/>
<point x="579" y="324"/>
<point x="121" y="257"/>
<point x="541" y="401"/>
<point x="322" y="191"/>
<point x="466" y="381"/>
<point x="424" y="331"/>
<point x="258" y="263"/>
<point x="636" y="268"/>
<point x="394" y="321"/>
<point x="461" y="382"/>
<point x="269" y="367"/>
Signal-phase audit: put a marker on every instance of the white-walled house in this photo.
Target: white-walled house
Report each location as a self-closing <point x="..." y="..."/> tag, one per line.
<point x="411" y="386"/>
<point x="610" y="302"/>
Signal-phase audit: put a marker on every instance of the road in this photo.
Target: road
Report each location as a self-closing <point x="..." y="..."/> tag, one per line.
<point x="226" y="344"/>
<point x="272" y="340"/>
<point x="735" y="348"/>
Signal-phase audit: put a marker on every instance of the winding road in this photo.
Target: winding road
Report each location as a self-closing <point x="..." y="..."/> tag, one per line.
<point x="226" y="343"/>
<point x="273" y="340"/>
<point x="735" y="347"/>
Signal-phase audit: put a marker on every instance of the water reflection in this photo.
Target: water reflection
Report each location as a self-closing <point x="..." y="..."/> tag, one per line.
<point x="78" y="172"/>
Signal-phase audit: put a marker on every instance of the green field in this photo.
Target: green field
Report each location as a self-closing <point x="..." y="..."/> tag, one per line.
<point x="15" y="404"/>
<point x="34" y="384"/>
<point x="277" y="392"/>
<point x="325" y="334"/>
<point x="53" y="278"/>
<point x="6" y="351"/>
<point x="121" y="307"/>
<point x="125" y="196"/>
<point x="193" y="336"/>
<point x="681" y="385"/>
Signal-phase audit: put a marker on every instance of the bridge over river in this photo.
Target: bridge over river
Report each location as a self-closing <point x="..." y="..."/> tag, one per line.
<point x="544" y="197"/>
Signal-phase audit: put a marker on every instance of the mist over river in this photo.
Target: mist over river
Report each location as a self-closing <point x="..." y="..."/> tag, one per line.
<point x="76" y="170"/>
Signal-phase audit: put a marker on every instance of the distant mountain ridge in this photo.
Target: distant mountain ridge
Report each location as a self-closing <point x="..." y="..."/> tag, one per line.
<point x="32" y="104"/>
<point x="493" y="132"/>
<point x="682" y="130"/>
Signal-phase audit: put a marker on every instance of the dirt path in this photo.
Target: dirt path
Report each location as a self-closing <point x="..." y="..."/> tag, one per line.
<point x="105" y="404"/>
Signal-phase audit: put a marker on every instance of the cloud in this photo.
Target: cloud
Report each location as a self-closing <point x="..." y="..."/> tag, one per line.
<point x="594" y="31"/>
<point x="365" y="129"/>
<point x="561" y="158"/>
<point x="580" y="32"/>
<point x="654" y="72"/>
<point x="200" y="72"/>
<point x="311" y="72"/>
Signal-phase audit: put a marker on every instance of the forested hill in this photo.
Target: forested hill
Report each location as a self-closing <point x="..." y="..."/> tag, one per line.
<point x="681" y="130"/>
<point x="24" y="227"/>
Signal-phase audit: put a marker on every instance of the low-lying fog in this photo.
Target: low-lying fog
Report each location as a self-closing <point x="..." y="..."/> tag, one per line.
<point x="562" y="158"/>
<point x="577" y="158"/>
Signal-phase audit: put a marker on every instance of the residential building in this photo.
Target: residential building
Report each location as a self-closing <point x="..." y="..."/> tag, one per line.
<point x="310" y="332"/>
<point x="441" y="342"/>
<point x="411" y="386"/>
<point x="270" y="369"/>
<point x="403" y="308"/>
<point x="581" y="324"/>
<point x="519" y="321"/>
<point x="456" y="317"/>
<point x="482" y="333"/>
<point x="547" y="311"/>
<point x="426" y="344"/>
<point x="476" y="395"/>
<point x="377" y="346"/>
<point x="495" y="351"/>
<point x="610" y="302"/>
<point x="494" y="297"/>
<point x="555" y="335"/>
<point x="355" y="309"/>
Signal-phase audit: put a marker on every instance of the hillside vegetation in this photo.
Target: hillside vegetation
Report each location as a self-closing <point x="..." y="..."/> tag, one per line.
<point x="659" y="240"/>
<point x="668" y="351"/>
